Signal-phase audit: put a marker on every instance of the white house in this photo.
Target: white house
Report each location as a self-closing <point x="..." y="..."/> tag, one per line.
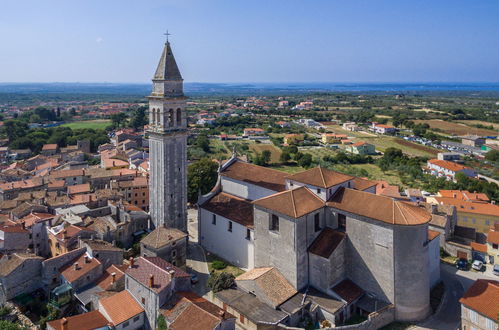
<point x="447" y="169"/>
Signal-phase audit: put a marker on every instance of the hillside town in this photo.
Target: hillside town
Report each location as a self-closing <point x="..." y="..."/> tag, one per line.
<point x="255" y="212"/>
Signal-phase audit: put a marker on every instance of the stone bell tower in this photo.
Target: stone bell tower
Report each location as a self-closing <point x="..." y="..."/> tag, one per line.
<point x="168" y="145"/>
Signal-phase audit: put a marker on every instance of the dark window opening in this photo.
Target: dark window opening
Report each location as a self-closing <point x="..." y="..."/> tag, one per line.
<point x="230" y="226"/>
<point x="317" y="222"/>
<point x="274" y="223"/>
<point x="213" y="219"/>
<point x="248" y="234"/>
<point x="342" y="221"/>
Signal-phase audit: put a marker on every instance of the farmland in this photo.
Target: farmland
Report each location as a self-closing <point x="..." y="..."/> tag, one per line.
<point x="274" y="151"/>
<point x="453" y="128"/>
<point x="94" y="124"/>
<point x="413" y="149"/>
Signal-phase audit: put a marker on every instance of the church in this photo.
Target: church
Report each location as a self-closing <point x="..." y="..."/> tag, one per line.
<point x="314" y="231"/>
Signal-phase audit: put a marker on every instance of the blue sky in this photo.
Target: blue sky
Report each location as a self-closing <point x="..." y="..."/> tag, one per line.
<point x="251" y="41"/>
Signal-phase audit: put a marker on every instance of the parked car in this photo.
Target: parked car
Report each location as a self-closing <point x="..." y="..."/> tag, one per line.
<point x="495" y="270"/>
<point x="462" y="264"/>
<point x="477" y="265"/>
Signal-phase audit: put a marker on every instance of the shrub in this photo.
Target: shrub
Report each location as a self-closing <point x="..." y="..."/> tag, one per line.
<point x="219" y="282"/>
<point x="219" y="264"/>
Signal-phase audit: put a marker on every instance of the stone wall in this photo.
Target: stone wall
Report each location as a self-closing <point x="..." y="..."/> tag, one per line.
<point x="51" y="267"/>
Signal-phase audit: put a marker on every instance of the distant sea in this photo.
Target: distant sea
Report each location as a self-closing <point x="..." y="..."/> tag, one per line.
<point x="192" y="88"/>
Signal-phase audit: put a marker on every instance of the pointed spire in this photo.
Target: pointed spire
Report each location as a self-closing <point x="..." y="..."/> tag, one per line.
<point x="167" y="67"/>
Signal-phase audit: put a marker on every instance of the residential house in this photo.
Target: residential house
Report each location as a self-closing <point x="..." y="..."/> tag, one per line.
<point x="350" y="126"/>
<point x="479" y="306"/>
<point x="383" y="129"/>
<point x="153" y="282"/>
<point x="362" y="148"/>
<point x="20" y="273"/>
<point x="123" y="311"/>
<point x="293" y="139"/>
<point x="167" y="243"/>
<point x="473" y="140"/>
<point x="444" y="168"/>
<point x="88" y="321"/>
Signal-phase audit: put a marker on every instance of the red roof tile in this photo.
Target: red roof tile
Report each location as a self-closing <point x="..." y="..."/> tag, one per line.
<point x="348" y="290"/>
<point x="327" y="241"/>
<point x="231" y="207"/>
<point x="483" y="297"/>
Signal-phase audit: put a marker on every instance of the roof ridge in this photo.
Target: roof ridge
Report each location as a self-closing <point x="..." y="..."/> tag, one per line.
<point x="401" y="212"/>
<point x="293" y="203"/>
<point x="322" y="177"/>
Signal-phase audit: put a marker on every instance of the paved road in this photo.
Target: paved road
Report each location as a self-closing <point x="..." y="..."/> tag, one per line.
<point x="456" y="283"/>
<point x="196" y="259"/>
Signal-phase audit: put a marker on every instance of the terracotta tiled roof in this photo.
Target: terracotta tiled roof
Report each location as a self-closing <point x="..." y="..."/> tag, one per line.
<point x="363" y="184"/>
<point x="320" y="177"/>
<point x="162" y="236"/>
<point x="464" y="195"/>
<point x="145" y="266"/>
<point x="451" y="166"/>
<point x="271" y="283"/>
<point x="478" y="247"/>
<point x="105" y="282"/>
<point x="190" y="309"/>
<point x="348" y="290"/>
<point x="358" y="144"/>
<point x="294" y="203"/>
<point x="483" y="297"/>
<point x="378" y="207"/>
<point x="79" y="188"/>
<point x="470" y="207"/>
<point x="257" y="175"/>
<point x="432" y="234"/>
<point x="327" y="241"/>
<point x="84" y="267"/>
<point x="88" y="321"/>
<point x="121" y="307"/>
<point x="231" y="207"/>
<point x="52" y="146"/>
<point x="493" y="237"/>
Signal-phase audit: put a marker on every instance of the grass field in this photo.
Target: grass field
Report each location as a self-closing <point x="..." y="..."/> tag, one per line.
<point x="210" y="258"/>
<point x="95" y="124"/>
<point x="337" y="129"/>
<point x="413" y="149"/>
<point x="453" y="128"/>
<point x="260" y="147"/>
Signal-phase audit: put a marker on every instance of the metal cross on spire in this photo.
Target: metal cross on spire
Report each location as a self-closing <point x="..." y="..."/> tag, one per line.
<point x="167" y="34"/>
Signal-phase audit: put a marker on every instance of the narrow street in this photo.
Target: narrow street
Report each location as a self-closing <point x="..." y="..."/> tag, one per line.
<point x="456" y="282"/>
<point x="195" y="255"/>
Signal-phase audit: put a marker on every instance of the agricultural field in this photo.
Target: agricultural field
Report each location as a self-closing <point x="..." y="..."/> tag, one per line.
<point x="95" y="124"/>
<point x="337" y="129"/>
<point x="413" y="149"/>
<point x="260" y="147"/>
<point x="479" y="122"/>
<point x="453" y="128"/>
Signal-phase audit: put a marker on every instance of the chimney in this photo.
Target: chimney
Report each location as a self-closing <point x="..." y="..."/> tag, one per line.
<point x="76" y="266"/>
<point x="87" y="260"/>
<point x="113" y="277"/>
<point x="454" y="195"/>
<point x="131" y="262"/>
<point x="64" y="324"/>
<point x="151" y="281"/>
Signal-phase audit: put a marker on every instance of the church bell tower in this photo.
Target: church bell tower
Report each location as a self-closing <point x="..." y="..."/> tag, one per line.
<point x="168" y="145"/>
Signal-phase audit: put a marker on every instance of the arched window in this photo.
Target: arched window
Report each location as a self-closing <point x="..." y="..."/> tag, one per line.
<point x="153" y="116"/>
<point x="170" y="117"/>
<point x="179" y="116"/>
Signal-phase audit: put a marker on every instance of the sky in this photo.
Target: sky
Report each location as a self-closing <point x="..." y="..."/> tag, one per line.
<point x="251" y="41"/>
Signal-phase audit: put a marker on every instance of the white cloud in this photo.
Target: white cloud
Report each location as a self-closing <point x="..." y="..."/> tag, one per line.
<point x="99" y="40"/>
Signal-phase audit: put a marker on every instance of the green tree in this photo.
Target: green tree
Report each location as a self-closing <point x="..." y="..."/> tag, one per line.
<point x="119" y="119"/>
<point x="139" y="118"/>
<point x="14" y="129"/>
<point x="6" y="325"/>
<point x="161" y="323"/>
<point x="492" y="155"/>
<point x="220" y="281"/>
<point x="201" y="176"/>
<point x="305" y="161"/>
<point x="285" y="157"/>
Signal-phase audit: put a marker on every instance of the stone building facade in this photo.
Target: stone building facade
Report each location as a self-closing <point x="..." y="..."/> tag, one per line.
<point x="167" y="132"/>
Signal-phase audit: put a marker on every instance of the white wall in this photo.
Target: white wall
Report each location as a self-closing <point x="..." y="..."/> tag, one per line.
<point x="324" y="194"/>
<point x="231" y="246"/>
<point x="244" y="190"/>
